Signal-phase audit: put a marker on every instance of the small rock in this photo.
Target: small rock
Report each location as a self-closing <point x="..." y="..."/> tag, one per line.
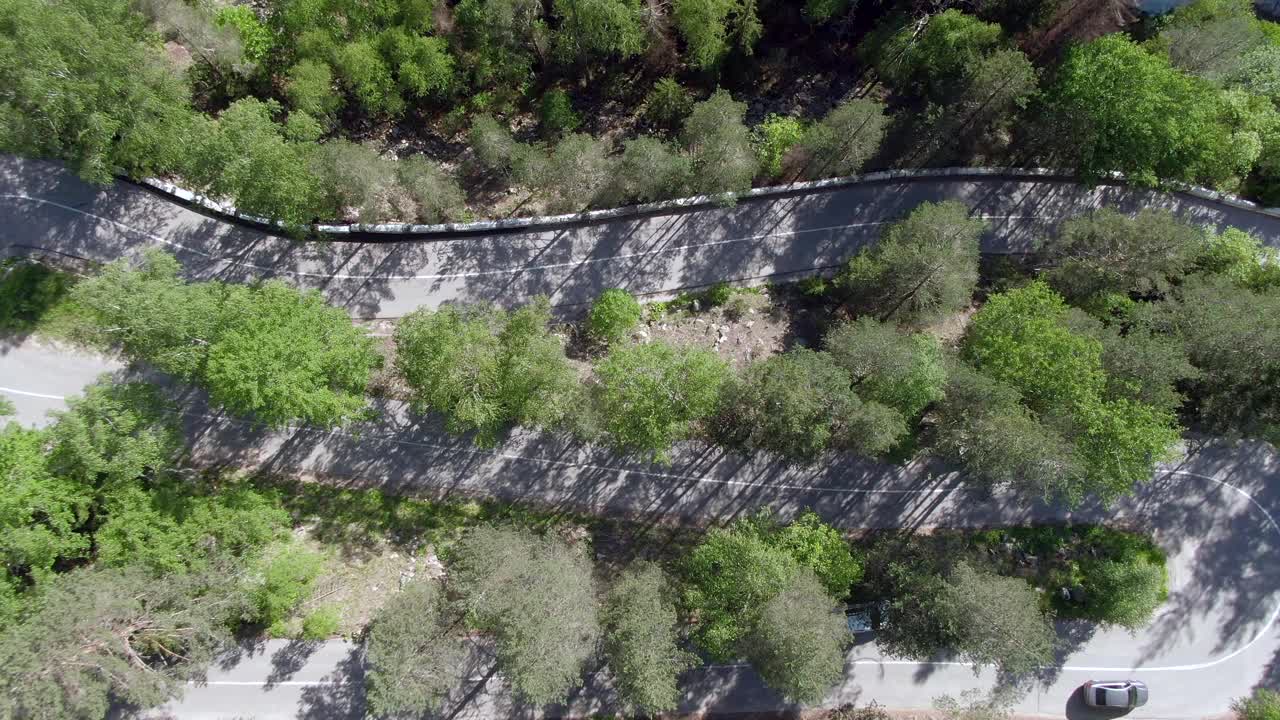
<point x="750" y="324"/>
<point x="640" y="335"/>
<point x="697" y="306"/>
<point x="738" y="341"/>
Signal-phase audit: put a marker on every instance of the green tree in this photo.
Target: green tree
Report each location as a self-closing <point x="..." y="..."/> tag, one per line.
<point x="924" y="265"/>
<point x="731" y="575"/>
<point x="500" y="37"/>
<point x="600" y="28"/>
<point x="1146" y="368"/>
<point x="845" y="138"/>
<point x="423" y="66"/>
<point x="245" y="156"/>
<point x="649" y="169"/>
<point x="492" y="144"/>
<point x="555" y="114"/>
<point x="904" y="372"/>
<point x="536" y="595"/>
<point x="1242" y="257"/>
<point x="84" y="83"/>
<point x="486" y="369"/>
<point x="309" y="87"/>
<point x="100" y="638"/>
<point x="822" y="549"/>
<point x="1000" y="620"/>
<point x="933" y="61"/>
<point x="1120" y="442"/>
<point x="642" y="640"/>
<point x="801" y="404"/>
<point x="1019" y="337"/>
<point x="1106" y="252"/>
<point x="40" y="512"/>
<point x="1127" y="110"/>
<point x="719" y="145"/>
<point x="614" y="315"/>
<point x="434" y="195"/>
<point x="367" y="76"/>
<point x="254" y="36"/>
<point x="289" y="356"/>
<point x="798" y="643"/>
<point x="652" y="395"/>
<point x="667" y="104"/>
<point x="823" y="10"/>
<point x="1232" y="337"/>
<point x="711" y="28"/>
<point x="413" y="658"/>
<point x="1210" y="38"/>
<point x="578" y="169"/>
<point x="1124" y="592"/>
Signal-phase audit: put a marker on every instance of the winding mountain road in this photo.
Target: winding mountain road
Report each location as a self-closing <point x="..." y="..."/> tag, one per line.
<point x="44" y="207"/>
<point x="1215" y="513"/>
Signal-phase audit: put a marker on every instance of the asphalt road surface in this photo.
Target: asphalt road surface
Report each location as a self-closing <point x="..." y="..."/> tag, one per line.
<point x="42" y="206"/>
<point x="1214" y="513"/>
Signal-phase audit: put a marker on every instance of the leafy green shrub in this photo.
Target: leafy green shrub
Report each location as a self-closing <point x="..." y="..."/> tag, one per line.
<point x="905" y="372"/>
<point x="493" y="145"/>
<point x="717" y="294"/>
<point x="719" y="146"/>
<point x="774" y="138"/>
<point x="423" y="65"/>
<point x="321" y="623"/>
<point x="309" y="86"/>
<point x="367" y="75"/>
<point x="614" y="315"/>
<point x="27" y="290"/>
<point x="555" y="114"/>
<point x="256" y="37"/>
<point x="1264" y="704"/>
<point x="649" y="169"/>
<point x="1124" y="592"/>
<point x="287" y="578"/>
<point x="667" y="104"/>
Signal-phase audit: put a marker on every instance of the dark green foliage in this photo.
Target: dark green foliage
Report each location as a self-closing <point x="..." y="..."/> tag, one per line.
<point x="801" y="404"/>
<point x="845" y="138"/>
<point x="904" y="372"/>
<point x="667" y="104"/>
<point x="485" y="369"/>
<point x="1232" y="337"/>
<point x="83" y="84"/>
<point x="614" y="315"/>
<point x="27" y="290"/>
<point x="413" y="658"/>
<point x="933" y="61"/>
<point x="600" y="27"/>
<point x="642" y="640"/>
<point x="798" y="643"/>
<point x="652" y="395"/>
<point x="719" y="145"/>
<point x="1107" y="253"/>
<point x="499" y="38"/>
<point x="925" y="265"/>
<point x="269" y="350"/>
<point x="1146" y="367"/>
<point x="555" y="114"/>
<point x="711" y="28"/>
<point x="100" y="638"/>
<point x="536" y="595"/>
<point x="823" y="10"/>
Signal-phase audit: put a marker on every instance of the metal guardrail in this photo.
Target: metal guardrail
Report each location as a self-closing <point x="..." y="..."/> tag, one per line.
<point x="446" y="230"/>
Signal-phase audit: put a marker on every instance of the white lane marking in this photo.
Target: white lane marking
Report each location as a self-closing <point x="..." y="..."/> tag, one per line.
<point x="11" y="391"/>
<point x="481" y="273"/>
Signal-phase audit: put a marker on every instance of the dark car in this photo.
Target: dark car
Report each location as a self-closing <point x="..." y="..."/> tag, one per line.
<point x="1115" y="693"/>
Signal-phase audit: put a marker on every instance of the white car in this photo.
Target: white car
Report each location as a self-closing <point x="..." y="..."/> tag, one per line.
<point x="1114" y="693"/>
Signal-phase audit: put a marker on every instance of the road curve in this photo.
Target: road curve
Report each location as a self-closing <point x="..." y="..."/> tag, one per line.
<point x="43" y="207"/>
<point x="1215" y="513"/>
